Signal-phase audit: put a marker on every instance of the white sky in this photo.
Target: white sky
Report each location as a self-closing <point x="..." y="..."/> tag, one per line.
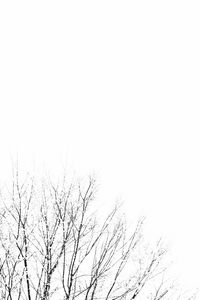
<point x="110" y="87"/>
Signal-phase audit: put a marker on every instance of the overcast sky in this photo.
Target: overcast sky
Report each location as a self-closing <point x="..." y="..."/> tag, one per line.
<point x="111" y="88"/>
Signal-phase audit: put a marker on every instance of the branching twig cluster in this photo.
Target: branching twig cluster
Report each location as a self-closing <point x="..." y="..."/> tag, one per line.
<point x="52" y="247"/>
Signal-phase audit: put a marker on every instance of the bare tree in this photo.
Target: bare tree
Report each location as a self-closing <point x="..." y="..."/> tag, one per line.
<point x="52" y="246"/>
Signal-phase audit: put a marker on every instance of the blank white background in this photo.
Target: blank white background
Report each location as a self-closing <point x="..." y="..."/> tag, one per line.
<point x="110" y="87"/>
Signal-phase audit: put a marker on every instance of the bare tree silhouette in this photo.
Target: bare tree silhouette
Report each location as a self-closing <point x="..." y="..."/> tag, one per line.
<point x="52" y="246"/>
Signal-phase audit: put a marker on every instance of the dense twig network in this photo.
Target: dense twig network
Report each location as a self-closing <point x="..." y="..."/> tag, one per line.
<point x="52" y="246"/>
